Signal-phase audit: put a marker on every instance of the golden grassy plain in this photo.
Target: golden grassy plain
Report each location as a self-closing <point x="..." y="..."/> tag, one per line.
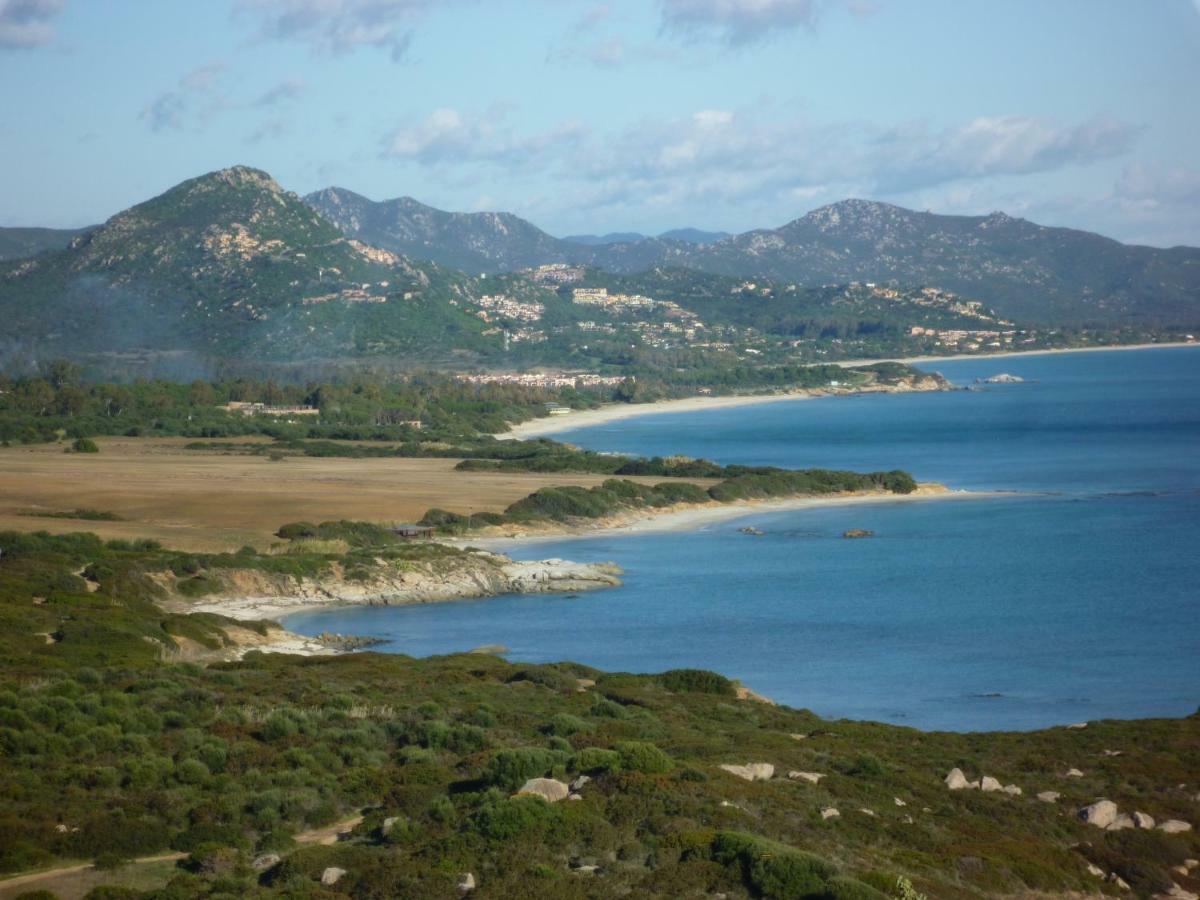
<point x="208" y="501"/>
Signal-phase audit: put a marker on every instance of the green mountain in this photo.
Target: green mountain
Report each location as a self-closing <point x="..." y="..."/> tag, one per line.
<point x="1025" y="271"/>
<point x="230" y="264"/>
<point x="18" y="243"/>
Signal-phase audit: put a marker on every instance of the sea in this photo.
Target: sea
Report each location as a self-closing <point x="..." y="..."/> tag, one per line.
<point x="1072" y="596"/>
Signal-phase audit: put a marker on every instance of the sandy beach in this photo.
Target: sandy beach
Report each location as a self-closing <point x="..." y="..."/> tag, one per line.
<point x="616" y="412"/>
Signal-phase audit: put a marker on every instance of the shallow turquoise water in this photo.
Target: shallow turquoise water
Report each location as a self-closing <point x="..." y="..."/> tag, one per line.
<point x="1081" y="602"/>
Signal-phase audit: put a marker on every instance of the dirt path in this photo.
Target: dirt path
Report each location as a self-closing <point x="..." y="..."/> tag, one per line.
<point x="77" y="879"/>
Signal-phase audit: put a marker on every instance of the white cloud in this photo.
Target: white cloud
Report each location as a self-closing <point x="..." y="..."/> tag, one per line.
<point x="28" y="23"/>
<point x="447" y="136"/>
<point x="737" y="21"/>
<point x="171" y="110"/>
<point x="339" y="26"/>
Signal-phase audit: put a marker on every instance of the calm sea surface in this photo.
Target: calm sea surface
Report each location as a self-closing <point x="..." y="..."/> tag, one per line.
<point x="1079" y="602"/>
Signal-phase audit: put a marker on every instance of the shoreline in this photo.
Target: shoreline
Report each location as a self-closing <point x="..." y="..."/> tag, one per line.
<point x="617" y="412"/>
<point x="694" y="517"/>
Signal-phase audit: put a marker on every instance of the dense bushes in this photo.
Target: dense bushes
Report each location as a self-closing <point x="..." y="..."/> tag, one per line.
<point x="697" y="681"/>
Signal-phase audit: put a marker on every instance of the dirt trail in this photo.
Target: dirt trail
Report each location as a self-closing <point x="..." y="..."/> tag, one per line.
<point x="64" y="880"/>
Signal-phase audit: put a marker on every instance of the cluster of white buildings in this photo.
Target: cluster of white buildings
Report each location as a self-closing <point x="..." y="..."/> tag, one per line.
<point x="545" y="379"/>
<point x="616" y="302"/>
<point x="556" y="273"/>
<point x="506" y="307"/>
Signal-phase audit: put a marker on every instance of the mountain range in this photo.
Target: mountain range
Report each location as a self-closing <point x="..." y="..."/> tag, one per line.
<point x="1035" y="273"/>
<point x="18" y="243"/>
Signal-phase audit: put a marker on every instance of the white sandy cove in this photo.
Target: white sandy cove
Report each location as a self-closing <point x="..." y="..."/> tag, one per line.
<point x="586" y="418"/>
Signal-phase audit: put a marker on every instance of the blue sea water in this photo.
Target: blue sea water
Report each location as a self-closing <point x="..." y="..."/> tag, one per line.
<point x="1078" y="598"/>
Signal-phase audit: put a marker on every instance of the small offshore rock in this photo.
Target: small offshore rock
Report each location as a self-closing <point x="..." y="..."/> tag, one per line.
<point x="332" y="876"/>
<point x="858" y="533"/>
<point x="810" y="777"/>
<point x="549" y="789"/>
<point x="751" y="771"/>
<point x="1049" y="796"/>
<point x="1174" y="826"/>
<point x="1101" y="814"/>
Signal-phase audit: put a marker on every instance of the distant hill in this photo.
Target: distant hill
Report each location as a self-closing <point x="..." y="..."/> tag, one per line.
<point x="1052" y="276"/>
<point x="231" y="264"/>
<point x="694" y="236"/>
<point x="18" y="243"/>
<point x="1025" y="271"/>
<point x="599" y="240"/>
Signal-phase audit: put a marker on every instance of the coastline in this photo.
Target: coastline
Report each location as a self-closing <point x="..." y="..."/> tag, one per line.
<point x="617" y="412"/>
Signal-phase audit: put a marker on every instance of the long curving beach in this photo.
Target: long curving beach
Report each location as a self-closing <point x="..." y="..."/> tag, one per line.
<point x="617" y="412"/>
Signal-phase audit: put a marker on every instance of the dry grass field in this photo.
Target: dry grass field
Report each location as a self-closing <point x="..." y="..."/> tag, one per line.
<point x="206" y="501"/>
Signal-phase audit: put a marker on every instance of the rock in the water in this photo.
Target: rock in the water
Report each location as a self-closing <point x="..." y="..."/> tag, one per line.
<point x="264" y="862"/>
<point x="810" y="777"/>
<point x="466" y="883"/>
<point x="957" y="781"/>
<point x="1049" y="796"/>
<point x="1174" y="826"/>
<point x="1121" y="822"/>
<point x="829" y="813"/>
<point x="549" y="789"/>
<point x="989" y="784"/>
<point x="751" y="771"/>
<point x="1101" y="814"/>
<point x="858" y="533"/>
<point x="1141" y="820"/>
<point x="332" y="875"/>
<point x="1002" y="378"/>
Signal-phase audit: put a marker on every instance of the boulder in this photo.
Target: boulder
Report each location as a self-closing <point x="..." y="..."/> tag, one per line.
<point x="957" y="781"/>
<point x="549" y="789"/>
<point x="332" y="876"/>
<point x="1120" y="882"/>
<point x="858" y="533"/>
<point x="1093" y="869"/>
<point x="1012" y="790"/>
<point x="388" y="824"/>
<point x="867" y="812"/>
<point x="579" y="782"/>
<point x="1121" y="822"/>
<point x="1073" y="773"/>
<point x="899" y="802"/>
<point x="810" y="777"/>
<point x="1174" y="826"/>
<point x="989" y="784"/>
<point x="1078" y="725"/>
<point x="1178" y="893"/>
<point x="466" y="883"/>
<point x="1101" y="814"/>
<point x="1049" y="796"/>
<point x="829" y="813"/>
<point x="1141" y="820"/>
<point x="574" y="796"/>
<point x="266" y="861"/>
<point x="751" y="771"/>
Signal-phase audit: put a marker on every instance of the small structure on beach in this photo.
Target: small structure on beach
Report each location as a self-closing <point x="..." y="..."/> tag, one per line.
<point x="412" y="532"/>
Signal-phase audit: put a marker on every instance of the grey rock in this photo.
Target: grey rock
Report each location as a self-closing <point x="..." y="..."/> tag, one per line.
<point x="1101" y="814"/>
<point x="332" y="876"/>
<point x="549" y="789"/>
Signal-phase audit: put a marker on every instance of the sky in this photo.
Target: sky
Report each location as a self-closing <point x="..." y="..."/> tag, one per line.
<point x="590" y="116"/>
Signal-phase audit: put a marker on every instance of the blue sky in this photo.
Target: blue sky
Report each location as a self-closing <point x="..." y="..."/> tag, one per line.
<point x="606" y="115"/>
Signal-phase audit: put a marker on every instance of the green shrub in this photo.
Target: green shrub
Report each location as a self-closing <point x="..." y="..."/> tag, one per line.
<point x="84" y="445"/>
<point x="565" y="725"/>
<point x="842" y="888"/>
<point x="771" y="869"/>
<point x="642" y="756"/>
<point x="515" y="817"/>
<point x="697" y="681"/>
<point x="596" y="759"/>
<point x="512" y="768"/>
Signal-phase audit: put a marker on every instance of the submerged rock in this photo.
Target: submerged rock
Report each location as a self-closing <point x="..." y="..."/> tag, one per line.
<point x="858" y="533"/>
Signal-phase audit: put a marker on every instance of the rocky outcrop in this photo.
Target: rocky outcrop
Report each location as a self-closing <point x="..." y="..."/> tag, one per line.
<point x="254" y="594"/>
<point x="1101" y="814"/>
<point x="751" y="771"/>
<point x="549" y="789"/>
<point x="1175" y="826"/>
